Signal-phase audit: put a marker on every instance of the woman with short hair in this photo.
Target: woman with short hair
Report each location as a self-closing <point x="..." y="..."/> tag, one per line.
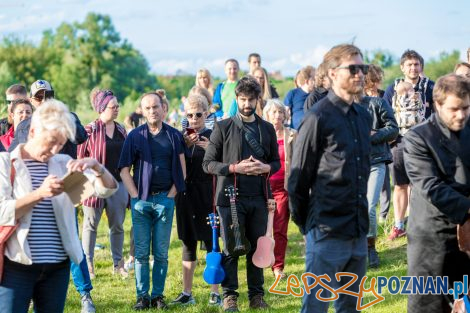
<point x="21" y="109"/>
<point x="38" y="253"/>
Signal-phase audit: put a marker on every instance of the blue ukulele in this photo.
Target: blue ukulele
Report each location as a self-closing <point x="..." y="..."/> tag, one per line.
<point x="214" y="273"/>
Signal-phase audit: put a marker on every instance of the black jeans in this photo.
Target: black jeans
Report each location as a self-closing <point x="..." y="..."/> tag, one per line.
<point x="253" y="214"/>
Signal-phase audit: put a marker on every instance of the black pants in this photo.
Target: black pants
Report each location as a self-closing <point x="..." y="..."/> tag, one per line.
<point x="253" y="215"/>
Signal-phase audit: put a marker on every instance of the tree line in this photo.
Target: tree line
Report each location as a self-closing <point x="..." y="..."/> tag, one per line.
<point x="78" y="56"/>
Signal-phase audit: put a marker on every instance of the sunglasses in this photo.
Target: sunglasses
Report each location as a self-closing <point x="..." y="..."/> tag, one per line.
<point x="354" y="68"/>
<point x="191" y="115"/>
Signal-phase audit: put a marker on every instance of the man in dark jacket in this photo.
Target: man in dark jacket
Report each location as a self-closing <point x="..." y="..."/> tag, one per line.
<point x="328" y="182"/>
<point x="384" y="130"/>
<point x="243" y="152"/>
<point x="437" y="160"/>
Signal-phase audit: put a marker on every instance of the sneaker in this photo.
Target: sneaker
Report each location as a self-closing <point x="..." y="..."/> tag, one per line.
<point x="382" y="220"/>
<point x="214" y="299"/>
<point x="279" y="273"/>
<point x="119" y="269"/>
<point x="87" y="304"/>
<point x="159" y="303"/>
<point x="230" y="304"/>
<point x="257" y="302"/>
<point x="396" y="233"/>
<point x="373" y="258"/>
<point x="183" y="299"/>
<point x="142" y="303"/>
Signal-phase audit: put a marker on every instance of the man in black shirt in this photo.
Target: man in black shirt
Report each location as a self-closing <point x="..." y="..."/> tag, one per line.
<point x="233" y="155"/>
<point x="328" y="182"/>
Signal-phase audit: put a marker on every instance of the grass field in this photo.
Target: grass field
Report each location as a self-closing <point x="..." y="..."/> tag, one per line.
<point x="113" y="294"/>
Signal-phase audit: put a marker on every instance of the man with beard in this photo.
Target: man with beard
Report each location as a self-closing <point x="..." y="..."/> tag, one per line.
<point x="437" y="160"/>
<point x="328" y="182"/>
<point x="243" y="152"/>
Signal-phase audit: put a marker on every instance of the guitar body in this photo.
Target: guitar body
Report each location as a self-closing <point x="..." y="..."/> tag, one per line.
<point x="214" y="272"/>
<point x="264" y="254"/>
<point x="243" y="246"/>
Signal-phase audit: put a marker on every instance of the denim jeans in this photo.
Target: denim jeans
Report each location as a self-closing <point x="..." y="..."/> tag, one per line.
<point x="330" y="255"/>
<point x="374" y="187"/>
<point x="386" y="194"/>
<point x="152" y="220"/>
<point x="45" y="284"/>
<point x="80" y="275"/>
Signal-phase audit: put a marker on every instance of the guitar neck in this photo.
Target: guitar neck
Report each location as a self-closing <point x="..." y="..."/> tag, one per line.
<point x="233" y="211"/>
<point x="215" y="246"/>
<point x="269" y="228"/>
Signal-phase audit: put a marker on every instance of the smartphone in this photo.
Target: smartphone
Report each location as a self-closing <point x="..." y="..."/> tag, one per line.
<point x="190" y="130"/>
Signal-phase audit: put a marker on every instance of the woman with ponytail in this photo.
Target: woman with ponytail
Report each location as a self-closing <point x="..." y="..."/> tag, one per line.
<point x="105" y="140"/>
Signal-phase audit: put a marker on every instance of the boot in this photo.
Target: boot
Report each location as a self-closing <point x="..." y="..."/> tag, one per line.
<point x="372" y="252"/>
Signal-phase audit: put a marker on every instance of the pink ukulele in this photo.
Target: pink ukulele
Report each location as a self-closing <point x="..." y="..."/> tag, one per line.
<point x="264" y="254"/>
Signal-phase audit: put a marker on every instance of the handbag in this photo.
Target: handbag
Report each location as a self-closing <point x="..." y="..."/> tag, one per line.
<point x="6" y="231"/>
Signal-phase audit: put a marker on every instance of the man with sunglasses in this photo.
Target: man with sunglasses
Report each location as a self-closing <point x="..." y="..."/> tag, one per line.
<point x="411" y="65"/>
<point x="328" y="182"/>
<point x="14" y="92"/>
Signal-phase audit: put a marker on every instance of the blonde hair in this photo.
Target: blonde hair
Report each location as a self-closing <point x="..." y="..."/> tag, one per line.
<point x="266" y="88"/>
<point x="54" y="115"/>
<point x="198" y="90"/>
<point x="165" y="102"/>
<point x="305" y="74"/>
<point x="274" y="104"/>
<point x="205" y="71"/>
<point x="196" y="100"/>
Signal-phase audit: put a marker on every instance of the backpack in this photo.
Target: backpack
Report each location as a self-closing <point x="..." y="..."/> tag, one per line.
<point x="409" y="111"/>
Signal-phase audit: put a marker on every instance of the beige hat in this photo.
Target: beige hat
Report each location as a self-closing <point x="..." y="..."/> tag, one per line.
<point x="40" y="85"/>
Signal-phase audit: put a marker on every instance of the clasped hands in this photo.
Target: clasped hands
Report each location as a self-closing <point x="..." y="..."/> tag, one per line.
<point x="251" y="166"/>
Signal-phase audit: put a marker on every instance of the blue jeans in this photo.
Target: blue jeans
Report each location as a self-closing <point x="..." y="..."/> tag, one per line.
<point x="152" y="220"/>
<point x="45" y="284"/>
<point x="374" y="187"/>
<point x="329" y="255"/>
<point x="80" y="275"/>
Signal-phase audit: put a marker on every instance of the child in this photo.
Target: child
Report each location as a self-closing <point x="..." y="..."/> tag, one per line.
<point x="407" y="106"/>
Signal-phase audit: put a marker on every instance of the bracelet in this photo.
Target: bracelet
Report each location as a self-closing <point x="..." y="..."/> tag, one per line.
<point x="100" y="172"/>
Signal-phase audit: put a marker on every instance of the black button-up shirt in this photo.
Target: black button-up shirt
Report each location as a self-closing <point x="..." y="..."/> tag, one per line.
<point x="330" y="168"/>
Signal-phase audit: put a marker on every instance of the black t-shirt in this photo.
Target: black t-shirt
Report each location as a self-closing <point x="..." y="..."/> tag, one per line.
<point x="113" y="152"/>
<point x="249" y="185"/>
<point x="162" y="153"/>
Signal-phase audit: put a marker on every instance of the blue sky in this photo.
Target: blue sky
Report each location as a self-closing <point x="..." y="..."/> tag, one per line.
<point x="190" y="34"/>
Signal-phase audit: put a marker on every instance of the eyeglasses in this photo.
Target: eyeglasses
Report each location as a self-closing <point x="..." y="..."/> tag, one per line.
<point x="116" y="107"/>
<point x="354" y="68"/>
<point x="191" y="115"/>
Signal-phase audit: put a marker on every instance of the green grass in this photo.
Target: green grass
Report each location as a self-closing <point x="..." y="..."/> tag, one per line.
<point x="113" y="294"/>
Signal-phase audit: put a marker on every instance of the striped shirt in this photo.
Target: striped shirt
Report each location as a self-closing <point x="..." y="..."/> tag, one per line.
<point x="43" y="238"/>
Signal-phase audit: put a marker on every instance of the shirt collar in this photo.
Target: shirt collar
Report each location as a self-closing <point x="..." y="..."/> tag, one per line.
<point x="340" y="103"/>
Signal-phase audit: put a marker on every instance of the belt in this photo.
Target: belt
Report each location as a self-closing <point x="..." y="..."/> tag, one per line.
<point x="154" y="193"/>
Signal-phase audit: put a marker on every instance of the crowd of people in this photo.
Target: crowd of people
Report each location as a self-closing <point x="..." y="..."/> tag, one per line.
<point x="324" y="154"/>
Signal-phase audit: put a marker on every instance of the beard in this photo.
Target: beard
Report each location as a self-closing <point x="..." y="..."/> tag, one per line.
<point x="246" y="113"/>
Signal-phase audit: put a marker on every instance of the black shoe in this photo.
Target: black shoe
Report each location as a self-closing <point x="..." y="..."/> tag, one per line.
<point x="373" y="258"/>
<point x="159" y="303"/>
<point x="183" y="299"/>
<point x="142" y="304"/>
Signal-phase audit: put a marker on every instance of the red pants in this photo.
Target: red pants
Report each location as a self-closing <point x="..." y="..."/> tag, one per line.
<point x="281" y="222"/>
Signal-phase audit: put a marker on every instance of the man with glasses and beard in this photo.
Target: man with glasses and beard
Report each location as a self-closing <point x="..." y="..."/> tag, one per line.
<point x="243" y="152"/>
<point x="328" y="182"/>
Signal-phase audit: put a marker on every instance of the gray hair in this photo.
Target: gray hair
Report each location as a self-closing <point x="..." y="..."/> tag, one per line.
<point x="54" y="115"/>
<point x="274" y="104"/>
<point x="198" y="100"/>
